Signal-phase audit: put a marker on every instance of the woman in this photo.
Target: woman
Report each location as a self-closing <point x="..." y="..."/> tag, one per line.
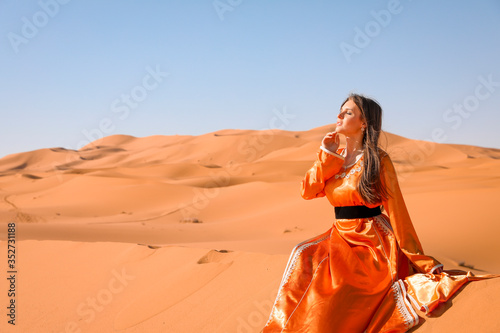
<point x="361" y="275"/>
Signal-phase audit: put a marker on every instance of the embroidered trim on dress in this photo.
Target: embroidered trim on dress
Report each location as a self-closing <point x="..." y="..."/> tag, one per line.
<point x="305" y="292"/>
<point x="349" y="173"/>
<point x="297" y="251"/>
<point x="330" y="152"/>
<point x="382" y="222"/>
<point x="383" y="246"/>
<point x="424" y="308"/>
<point x="386" y="229"/>
<point x="405" y="309"/>
<point x="435" y="267"/>
<point x="292" y="262"/>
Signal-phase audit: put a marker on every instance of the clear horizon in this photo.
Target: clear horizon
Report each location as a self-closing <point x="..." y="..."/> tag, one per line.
<point x="75" y="70"/>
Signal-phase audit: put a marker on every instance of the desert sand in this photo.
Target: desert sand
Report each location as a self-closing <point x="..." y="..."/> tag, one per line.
<point x="192" y="233"/>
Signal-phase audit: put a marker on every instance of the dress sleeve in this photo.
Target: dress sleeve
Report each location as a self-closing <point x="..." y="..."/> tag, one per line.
<point x="326" y="166"/>
<point x="404" y="231"/>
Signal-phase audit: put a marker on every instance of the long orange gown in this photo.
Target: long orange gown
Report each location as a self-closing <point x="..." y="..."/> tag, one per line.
<point x="364" y="274"/>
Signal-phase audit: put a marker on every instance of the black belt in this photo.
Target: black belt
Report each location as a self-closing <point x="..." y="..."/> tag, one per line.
<point x="356" y="212"/>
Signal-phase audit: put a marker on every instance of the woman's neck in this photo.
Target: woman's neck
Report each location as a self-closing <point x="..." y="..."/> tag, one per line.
<point x="353" y="145"/>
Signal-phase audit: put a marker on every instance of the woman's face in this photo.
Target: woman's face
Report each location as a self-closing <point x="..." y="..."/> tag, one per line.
<point x="350" y="120"/>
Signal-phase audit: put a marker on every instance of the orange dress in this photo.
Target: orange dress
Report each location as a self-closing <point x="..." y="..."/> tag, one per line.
<point x="363" y="274"/>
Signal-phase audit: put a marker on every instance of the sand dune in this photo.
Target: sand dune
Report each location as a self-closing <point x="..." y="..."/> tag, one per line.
<point x="192" y="233"/>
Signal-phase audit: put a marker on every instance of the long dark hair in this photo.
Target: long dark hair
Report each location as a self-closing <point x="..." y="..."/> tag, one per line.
<point x="370" y="185"/>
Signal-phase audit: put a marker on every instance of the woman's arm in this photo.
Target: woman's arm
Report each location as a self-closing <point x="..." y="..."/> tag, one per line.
<point x="326" y="166"/>
<point x="401" y="222"/>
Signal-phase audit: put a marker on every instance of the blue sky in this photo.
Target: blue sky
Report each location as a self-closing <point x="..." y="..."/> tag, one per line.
<point x="74" y="70"/>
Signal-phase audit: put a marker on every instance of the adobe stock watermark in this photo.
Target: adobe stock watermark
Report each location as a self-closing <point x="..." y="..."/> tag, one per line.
<point x="88" y="309"/>
<point x="31" y="26"/>
<point x="249" y="150"/>
<point x="258" y="317"/>
<point x="453" y="118"/>
<point x="122" y="106"/>
<point x="459" y="111"/>
<point x="120" y="109"/>
<point x="255" y="319"/>
<point x="223" y="6"/>
<point x="364" y="36"/>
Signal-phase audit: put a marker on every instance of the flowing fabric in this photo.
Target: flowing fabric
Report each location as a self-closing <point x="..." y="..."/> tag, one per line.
<point x="362" y="275"/>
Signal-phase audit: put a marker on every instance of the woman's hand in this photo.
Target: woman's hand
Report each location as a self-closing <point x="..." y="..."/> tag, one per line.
<point x="331" y="141"/>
